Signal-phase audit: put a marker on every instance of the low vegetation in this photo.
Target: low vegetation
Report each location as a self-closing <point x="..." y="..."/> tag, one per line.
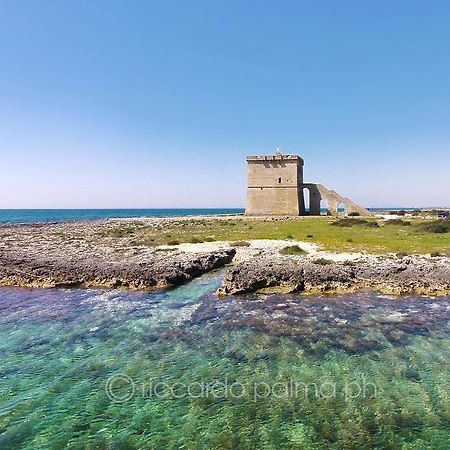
<point x="196" y="240"/>
<point x="240" y="244"/>
<point x="348" y="223"/>
<point x="397" y="222"/>
<point x="437" y="226"/>
<point x="293" y="250"/>
<point x="323" y="261"/>
<point x="345" y="234"/>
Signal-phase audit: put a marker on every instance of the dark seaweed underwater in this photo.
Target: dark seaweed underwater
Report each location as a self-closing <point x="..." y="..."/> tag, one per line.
<point x="186" y="369"/>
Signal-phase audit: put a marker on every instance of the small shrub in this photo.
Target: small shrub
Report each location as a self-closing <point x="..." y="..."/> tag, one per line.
<point x="196" y="240"/>
<point x="402" y="254"/>
<point x="372" y="225"/>
<point x="348" y="222"/>
<point x="289" y="236"/>
<point x="240" y="244"/>
<point x="309" y="236"/>
<point x="121" y="232"/>
<point x="323" y="261"/>
<point x="209" y="239"/>
<point x="354" y="214"/>
<point x="435" y="254"/>
<point x="173" y="243"/>
<point x="349" y="240"/>
<point x="147" y="241"/>
<point x="397" y="222"/>
<point x="292" y="250"/>
<point x="437" y="226"/>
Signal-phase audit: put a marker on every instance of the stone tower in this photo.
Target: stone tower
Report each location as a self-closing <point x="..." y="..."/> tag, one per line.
<point x="275" y="185"/>
<point x="276" y="188"/>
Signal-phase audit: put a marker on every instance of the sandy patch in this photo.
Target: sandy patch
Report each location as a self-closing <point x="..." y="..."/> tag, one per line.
<point x="265" y="247"/>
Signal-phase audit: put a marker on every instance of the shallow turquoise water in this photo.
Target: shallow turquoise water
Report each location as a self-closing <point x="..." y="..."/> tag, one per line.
<point x="185" y="369"/>
<point x="62" y="215"/>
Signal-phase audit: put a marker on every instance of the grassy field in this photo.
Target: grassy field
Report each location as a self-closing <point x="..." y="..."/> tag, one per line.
<point x="370" y="235"/>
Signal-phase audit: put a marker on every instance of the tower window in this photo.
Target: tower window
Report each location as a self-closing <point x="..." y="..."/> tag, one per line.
<point x="279" y="180"/>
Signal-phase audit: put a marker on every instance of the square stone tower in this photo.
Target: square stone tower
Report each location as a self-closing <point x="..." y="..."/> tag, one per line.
<point x="275" y="185"/>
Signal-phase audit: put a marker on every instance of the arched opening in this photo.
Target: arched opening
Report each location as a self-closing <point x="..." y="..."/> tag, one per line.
<point x="306" y="200"/>
<point x="341" y="209"/>
<point x="323" y="207"/>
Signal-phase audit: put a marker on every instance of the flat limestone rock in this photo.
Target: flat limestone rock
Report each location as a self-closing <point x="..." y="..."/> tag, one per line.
<point x="172" y="270"/>
<point x="409" y="275"/>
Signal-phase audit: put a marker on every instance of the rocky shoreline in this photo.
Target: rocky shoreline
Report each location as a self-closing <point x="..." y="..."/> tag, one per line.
<point x="105" y="254"/>
<point x="390" y="276"/>
<point x="166" y="272"/>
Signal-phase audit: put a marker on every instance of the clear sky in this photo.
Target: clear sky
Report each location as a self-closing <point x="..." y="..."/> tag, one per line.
<point x="157" y="103"/>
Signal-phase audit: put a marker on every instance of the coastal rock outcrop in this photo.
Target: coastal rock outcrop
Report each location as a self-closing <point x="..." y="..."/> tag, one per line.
<point x="167" y="271"/>
<point x="395" y="276"/>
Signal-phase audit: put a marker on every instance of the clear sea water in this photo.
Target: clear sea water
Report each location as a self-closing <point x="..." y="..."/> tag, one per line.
<point x="62" y="215"/>
<point x="107" y="369"/>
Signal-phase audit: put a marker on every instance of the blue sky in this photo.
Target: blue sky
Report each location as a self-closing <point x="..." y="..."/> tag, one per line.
<point x="157" y="103"/>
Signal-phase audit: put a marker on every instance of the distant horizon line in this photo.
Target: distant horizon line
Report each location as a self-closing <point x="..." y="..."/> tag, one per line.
<point x="194" y="208"/>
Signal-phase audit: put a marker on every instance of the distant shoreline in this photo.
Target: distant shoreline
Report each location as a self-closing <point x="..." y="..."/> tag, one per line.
<point x="37" y="216"/>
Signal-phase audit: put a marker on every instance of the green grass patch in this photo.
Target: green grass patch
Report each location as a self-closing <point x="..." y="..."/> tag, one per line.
<point x="414" y="239"/>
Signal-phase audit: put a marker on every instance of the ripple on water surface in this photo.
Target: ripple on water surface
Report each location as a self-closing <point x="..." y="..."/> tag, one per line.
<point x="367" y="370"/>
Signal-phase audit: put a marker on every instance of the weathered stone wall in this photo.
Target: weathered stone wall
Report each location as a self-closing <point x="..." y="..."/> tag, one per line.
<point x="275" y="188"/>
<point x="273" y="185"/>
<point x="317" y="192"/>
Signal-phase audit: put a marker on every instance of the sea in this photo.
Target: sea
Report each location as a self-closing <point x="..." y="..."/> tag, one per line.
<point x="185" y="369"/>
<point x="65" y="215"/>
